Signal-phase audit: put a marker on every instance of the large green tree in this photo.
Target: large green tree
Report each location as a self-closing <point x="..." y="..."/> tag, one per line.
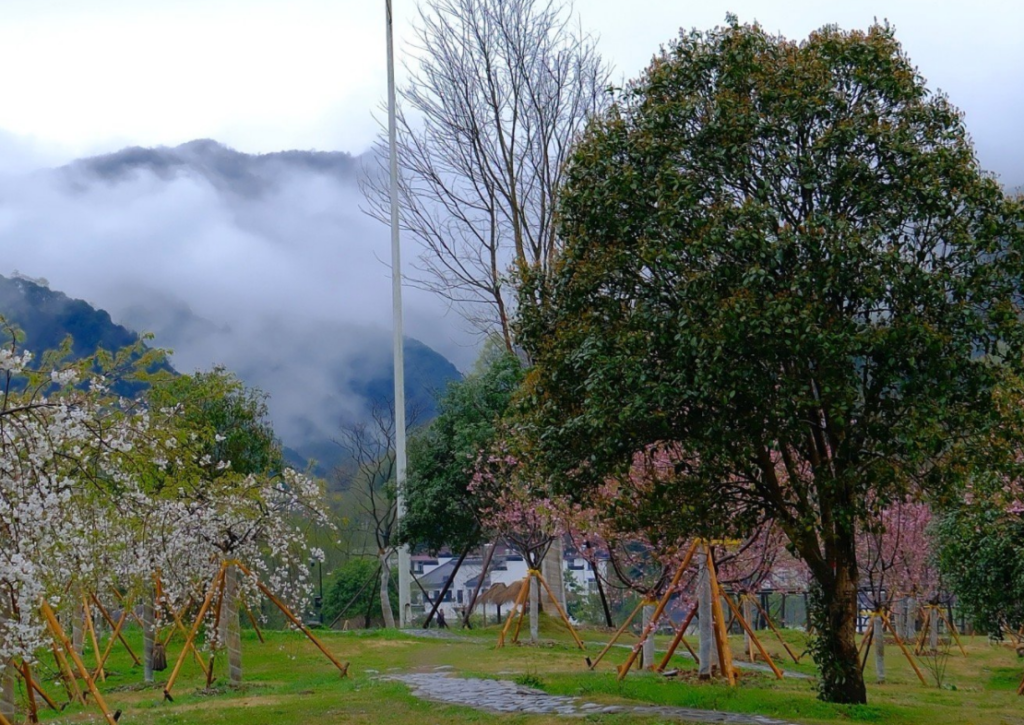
<point x="783" y="261"/>
<point x="441" y="509"/>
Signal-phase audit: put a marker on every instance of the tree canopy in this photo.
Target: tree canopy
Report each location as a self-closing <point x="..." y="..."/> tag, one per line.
<point x="441" y="510"/>
<point x="782" y="259"/>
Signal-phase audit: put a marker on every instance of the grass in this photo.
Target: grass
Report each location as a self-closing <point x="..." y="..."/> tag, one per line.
<point x="288" y="681"/>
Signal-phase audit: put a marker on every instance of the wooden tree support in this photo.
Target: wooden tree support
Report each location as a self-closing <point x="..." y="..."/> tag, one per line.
<point x="722" y="636"/>
<point x="90" y="627"/>
<point x="110" y="643"/>
<point x="519" y="607"/>
<point x="652" y="625"/>
<point x="125" y="607"/>
<point x="934" y="610"/>
<point x="216" y="588"/>
<point x="615" y="637"/>
<point x="194" y="630"/>
<point x="58" y="632"/>
<point x="32" y="684"/>
<point x="680" y="638"/>
<point x="67" y="676"/>
<point x="252" y="620"/>
<point x="771" y="625"/>
<point x="179" y="625"/>
<point x="869" y="635"/>
<point x="342" y="668"/>
<point x="753" y="637"/>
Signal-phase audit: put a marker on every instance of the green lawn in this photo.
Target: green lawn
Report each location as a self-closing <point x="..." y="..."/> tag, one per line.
<point x="288" y="681"/>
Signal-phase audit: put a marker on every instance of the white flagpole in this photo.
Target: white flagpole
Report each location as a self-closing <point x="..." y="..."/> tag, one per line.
<point x="404" y="581"/>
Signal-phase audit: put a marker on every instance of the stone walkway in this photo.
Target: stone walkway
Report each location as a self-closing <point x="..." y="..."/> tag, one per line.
<point x="505" y="696"/>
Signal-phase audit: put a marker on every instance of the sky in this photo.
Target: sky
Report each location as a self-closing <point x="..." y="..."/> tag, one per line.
<point x="293" y="285"/>
<point x="265" y="75"/>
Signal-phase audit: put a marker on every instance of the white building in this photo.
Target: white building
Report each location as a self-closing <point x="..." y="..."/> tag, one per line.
<point x="507" y="569"/>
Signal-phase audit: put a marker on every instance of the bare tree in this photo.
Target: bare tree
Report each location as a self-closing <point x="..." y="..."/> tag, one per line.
<point x="371" y="480"/>
<point x="498" y="93"/>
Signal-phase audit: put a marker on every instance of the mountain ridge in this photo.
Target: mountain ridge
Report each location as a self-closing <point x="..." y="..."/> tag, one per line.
<point x="46" y="316"/>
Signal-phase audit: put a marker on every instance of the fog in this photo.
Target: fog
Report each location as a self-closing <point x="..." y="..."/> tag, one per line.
<point x="263" y="264"/>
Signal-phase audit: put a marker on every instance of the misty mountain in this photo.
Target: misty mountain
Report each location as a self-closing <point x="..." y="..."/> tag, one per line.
<point x="47" y="317"/>
<point x="262" y="263"/>
<point x="223" y="168"/>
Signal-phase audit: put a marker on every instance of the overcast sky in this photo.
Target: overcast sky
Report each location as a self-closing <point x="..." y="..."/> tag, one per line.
<point x="289" y="287"/>
<point x="263" y="75"/>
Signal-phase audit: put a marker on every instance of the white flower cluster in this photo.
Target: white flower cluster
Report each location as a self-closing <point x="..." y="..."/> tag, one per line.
<point x="95" y="498"/>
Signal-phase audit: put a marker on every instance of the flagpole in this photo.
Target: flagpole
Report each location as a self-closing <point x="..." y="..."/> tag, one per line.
<point x="404" y="582"/>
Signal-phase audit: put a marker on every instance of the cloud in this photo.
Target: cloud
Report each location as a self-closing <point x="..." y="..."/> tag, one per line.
<point x="264" y="264"/>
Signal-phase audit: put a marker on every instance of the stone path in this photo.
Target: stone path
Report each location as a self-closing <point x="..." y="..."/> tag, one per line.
<point x="505" y="696"/>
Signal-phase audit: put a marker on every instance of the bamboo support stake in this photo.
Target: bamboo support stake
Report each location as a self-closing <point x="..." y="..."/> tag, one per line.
<point x="192" y="632"/>
<point x="658" y="611"/>
<point x="523" y="609"/>
<point x="110" y="620"/>
<point x="87" y="610"/>
<point x="31" y="681"/>
<point x="343" y="668"/>
<point x="778" y="634"/>
<point x="33" y="707"/>
<point x="252" y="619"/>
<point x="178" y="624"/>
<point x="523" y="598"/>
<point x="680" y="638"/>
<point x="754" y="640"/>
<point x="919" y="647"/>
<point x="561" y="612"/>
<point x="67" y="675"/>
<point x="58" y="631"/>
<point x="906" y="652"/>
<point x="865" y="644"/>
<point x="722" y="639"/>
<point x="176" y="616"/>
<point x="954" y="633"/>
<point x="110" y="643"/>
<point x="508" y="621"/>
<point x="216" y="626"/>
<point x="615" y="637"/>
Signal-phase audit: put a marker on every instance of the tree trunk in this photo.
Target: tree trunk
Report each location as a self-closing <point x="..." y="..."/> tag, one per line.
<point x="148" y="636"/>
<point x="551" y="567"/>
<point x="444" y="590"/>
<point x="834" y="617"/>
<point x="534" y="609"/>
<point x="648" y="650"/>
<point x="8" y="699"/>
<point x="385" y="599"/>
<point x="906" y="628"/>
<point x="468" y="612"/>
<point x="230" y="626"/>
<point x="78" y="628"/>
<point x="705" y="622"/>
<point x="879" y="642"/>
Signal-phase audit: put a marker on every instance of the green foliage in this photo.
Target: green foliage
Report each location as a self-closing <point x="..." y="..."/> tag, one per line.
<point x="783" y="259"/>
<point x="356" y="584"/>
<point x="440" y="511"/>
<point x="221" y="421"/>
<point x="981" y="554"/>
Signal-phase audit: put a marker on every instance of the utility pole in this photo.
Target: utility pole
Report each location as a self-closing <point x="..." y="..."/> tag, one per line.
<point x="404" y="576"/>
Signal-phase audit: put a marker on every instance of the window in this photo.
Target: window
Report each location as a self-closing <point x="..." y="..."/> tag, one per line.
<point x="458" y="596"/>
